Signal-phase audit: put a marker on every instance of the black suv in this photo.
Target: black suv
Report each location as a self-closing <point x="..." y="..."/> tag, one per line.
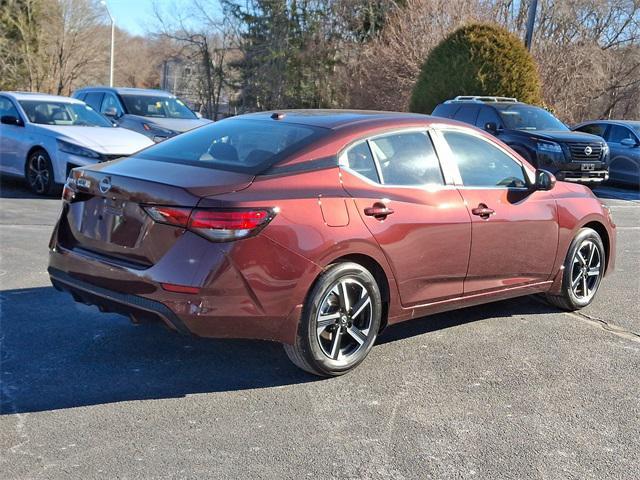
<point x="538" y="136"/>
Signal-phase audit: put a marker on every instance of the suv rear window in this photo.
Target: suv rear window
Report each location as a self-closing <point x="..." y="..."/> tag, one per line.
<point x="446" y="110"/>
<point x="237" y="145"/>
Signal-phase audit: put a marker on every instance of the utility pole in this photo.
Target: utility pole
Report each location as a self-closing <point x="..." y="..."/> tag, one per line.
<point x="113" y="38"/>
<point x="531" y="20"/>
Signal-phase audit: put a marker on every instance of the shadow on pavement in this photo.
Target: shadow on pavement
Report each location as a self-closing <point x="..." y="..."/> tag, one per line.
<point x="58" y="354"/>
<point x="14" y="187"/>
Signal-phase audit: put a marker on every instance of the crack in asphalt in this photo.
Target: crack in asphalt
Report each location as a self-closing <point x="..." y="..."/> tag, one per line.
<point x="615" y="329"/>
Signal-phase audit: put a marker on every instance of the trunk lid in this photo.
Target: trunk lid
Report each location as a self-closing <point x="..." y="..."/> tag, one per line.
<point x="106" y="217"/>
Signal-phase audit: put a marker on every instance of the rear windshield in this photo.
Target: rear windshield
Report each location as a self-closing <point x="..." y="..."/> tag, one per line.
<point x="238" y="145"/>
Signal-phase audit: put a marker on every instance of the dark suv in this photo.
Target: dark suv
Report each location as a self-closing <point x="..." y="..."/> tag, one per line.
<point x="542" y="139"/>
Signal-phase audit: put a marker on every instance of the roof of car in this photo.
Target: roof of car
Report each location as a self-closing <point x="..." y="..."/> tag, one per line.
<point x="335" y="119"/>
<point x="127" y="90"/>
<point x="43" y="97"/>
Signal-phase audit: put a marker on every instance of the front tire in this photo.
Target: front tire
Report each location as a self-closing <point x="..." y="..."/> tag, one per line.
<point x="340" y="321"/>
<point x="38" y="173"/>
<point x="583" y="271"/>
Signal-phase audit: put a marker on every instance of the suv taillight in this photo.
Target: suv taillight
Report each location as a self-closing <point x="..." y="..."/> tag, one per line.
<point x="218" y="225"/>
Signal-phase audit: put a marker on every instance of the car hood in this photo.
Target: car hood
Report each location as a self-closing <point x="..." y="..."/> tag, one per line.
<point x="175" y="124"/>
<point x="559" y="135"/>
<point x="101" y="139"/>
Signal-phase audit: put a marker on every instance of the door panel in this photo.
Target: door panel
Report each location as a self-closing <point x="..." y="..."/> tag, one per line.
<point x="514" y="228"/>
<point x="516" y="244"/>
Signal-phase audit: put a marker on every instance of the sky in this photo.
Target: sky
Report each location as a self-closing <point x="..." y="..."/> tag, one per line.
<point x="136" y="16"/>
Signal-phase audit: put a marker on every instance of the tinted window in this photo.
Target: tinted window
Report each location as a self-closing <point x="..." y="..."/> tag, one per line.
<point x="481" y="164"/>
<point x="7" y="108"/>
<point x="94" y="99"/>
<point x="63" y="114"/>
<point x="110" y="101"/>
<point x="618" y="133"/>
<point x="467" y="114"/>
<point x="157" y="106"/>
<point x="239" y="145"/>
<point x="407" y="159"/>
<point x="593" y="129"/>
<point x="446" y="110"/>
<point x="360" y="160"/>
<point x="526" y="117"/>
<point x="488" y="115"/>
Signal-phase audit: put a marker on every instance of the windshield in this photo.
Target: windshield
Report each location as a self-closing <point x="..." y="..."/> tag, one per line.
<point x="525" y="117"/>
<point x="239" y="145"/>
<point x="63" y="114"/>
<point x="157" y="106"/>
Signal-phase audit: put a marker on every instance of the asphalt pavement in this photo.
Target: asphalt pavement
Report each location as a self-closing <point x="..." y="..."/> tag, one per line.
<point x="514" y="389"/>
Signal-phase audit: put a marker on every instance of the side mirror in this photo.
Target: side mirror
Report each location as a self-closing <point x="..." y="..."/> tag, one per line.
<point x="628" y="142"/>
<point x="491" y="127"/>
<point x="111" y="112"/>
<point x="198" y="114"/>
<point x="11" y="120"/>
<point x="544" y="180"/>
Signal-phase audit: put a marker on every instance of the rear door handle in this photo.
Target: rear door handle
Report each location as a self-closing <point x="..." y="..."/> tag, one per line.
<point x="483" y="211"/>
<point x="378" y="210"/>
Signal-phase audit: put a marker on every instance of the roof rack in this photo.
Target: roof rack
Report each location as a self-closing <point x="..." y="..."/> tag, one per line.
<point x="482" y="98"/>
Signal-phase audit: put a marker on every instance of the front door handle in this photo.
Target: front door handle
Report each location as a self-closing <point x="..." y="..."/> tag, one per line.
<point x="378" y="211"/>
<point x="483" y="211"/>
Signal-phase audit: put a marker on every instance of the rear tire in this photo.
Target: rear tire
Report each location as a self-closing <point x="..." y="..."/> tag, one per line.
<point x="583" y="271"/>
<point x="339" y="323"/>
<point x="38" y="173"/>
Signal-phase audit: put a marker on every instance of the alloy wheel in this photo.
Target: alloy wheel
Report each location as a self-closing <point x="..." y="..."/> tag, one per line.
<point x="586" y="269"/>
<point x="38" y="173"/>
<point x="343" y="322"/>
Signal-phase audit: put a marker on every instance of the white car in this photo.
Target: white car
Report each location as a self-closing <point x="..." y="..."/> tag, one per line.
<point x="42" y="137"/>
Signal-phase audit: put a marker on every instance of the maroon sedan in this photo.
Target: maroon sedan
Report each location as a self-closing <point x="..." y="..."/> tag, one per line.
<point x="319" y="228"/>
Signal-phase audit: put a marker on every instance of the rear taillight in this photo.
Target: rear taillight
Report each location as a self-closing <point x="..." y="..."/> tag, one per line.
<point x="69" y="189"/>
<point x="218" y="225"/>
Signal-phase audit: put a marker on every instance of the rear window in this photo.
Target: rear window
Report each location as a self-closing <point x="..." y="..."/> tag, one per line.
<point x="446" y="110"/>
<point x="237" y="145"/>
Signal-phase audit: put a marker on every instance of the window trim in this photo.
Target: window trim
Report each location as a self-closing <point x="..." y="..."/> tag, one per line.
<point x="343" y="163"/>
<point x="447" y="154"/>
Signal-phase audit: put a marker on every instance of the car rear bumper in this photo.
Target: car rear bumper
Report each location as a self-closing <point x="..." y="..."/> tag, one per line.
<point x="134" y="306"/>
<point x="235" y="299"/>
<point x="577" y="176"/>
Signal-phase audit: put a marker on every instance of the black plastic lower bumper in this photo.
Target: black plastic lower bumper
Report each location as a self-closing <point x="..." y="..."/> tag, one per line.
<point x="110" y="301"/>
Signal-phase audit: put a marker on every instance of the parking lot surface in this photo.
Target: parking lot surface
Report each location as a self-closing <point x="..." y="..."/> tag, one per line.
<point x="515" y="389"/>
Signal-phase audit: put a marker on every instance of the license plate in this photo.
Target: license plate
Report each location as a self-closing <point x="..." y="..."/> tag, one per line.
<point x="588" y="167"/>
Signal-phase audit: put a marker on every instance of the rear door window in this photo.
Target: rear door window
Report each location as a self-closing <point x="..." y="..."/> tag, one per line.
<point x="446" y="110"/>
<point x="467" y="114"/>
<point x="94" y="99"/>
<point x="594" y="129"/>
<point x="407" y="159"/>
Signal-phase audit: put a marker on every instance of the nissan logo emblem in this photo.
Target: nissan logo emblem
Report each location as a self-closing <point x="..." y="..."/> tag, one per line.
<point x="588" y="150"/>
<point x="105" y="184"/>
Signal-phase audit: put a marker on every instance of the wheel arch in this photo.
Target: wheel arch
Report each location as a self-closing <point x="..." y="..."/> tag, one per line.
<point x="604" y="235"/>
<point x="379" y="274"/>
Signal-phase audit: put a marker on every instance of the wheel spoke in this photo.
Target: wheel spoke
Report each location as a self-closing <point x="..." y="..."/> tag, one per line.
<point x="576" y="281"/>
<point x="361" y="305"/>
<point x="357" y="334"/>
<point x="325" y="320"/>
<point x="592" y="251"/>
<point x="344" y="296"/>
<point x="594" y="271"/>
<point x="585" y="289"/>
<point x="583" y="261"/>
<point x="335" y="346"/>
